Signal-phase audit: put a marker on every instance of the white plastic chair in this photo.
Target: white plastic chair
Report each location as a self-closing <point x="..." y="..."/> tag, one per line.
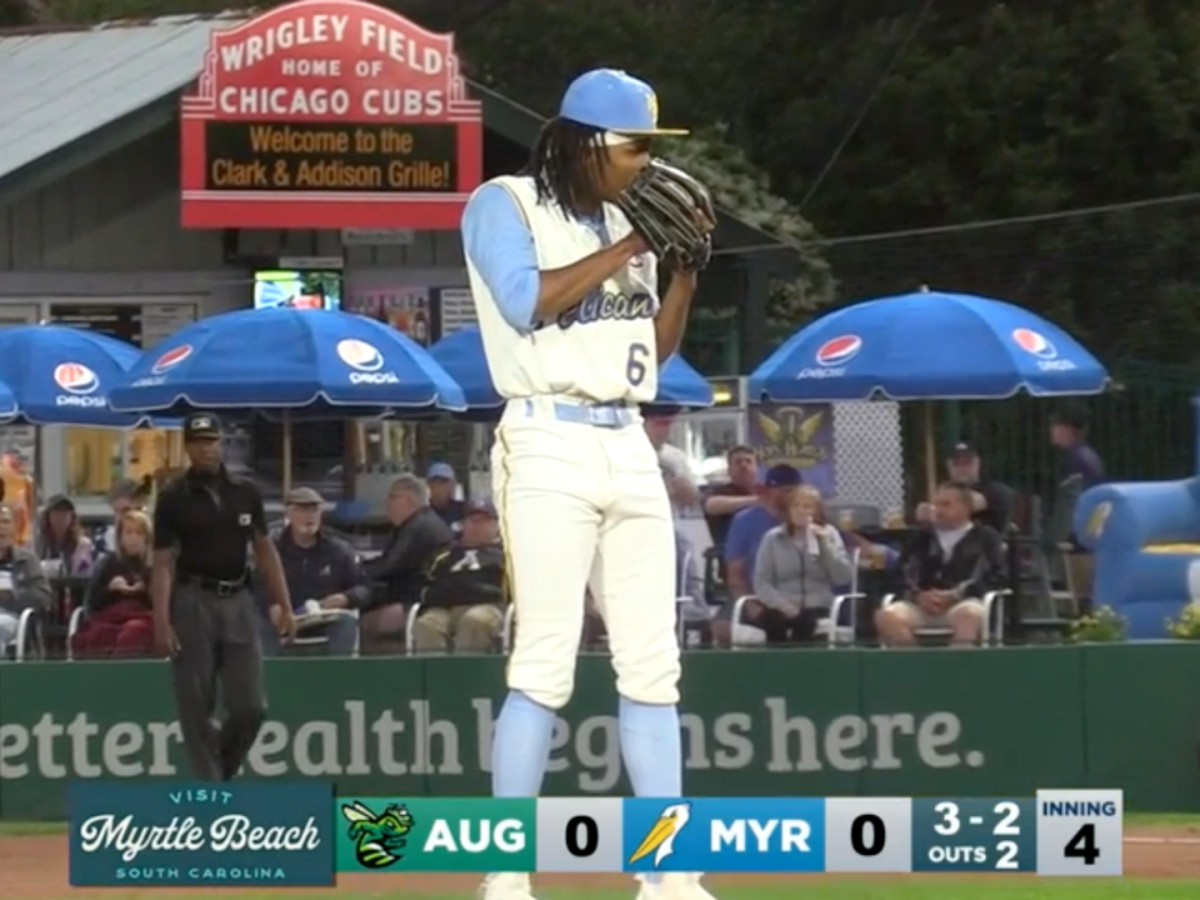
<point x="993" y="607"/>
<point x="78" y="615"/>
<point x="22" y="642"/>
<point x="835" y="634"/>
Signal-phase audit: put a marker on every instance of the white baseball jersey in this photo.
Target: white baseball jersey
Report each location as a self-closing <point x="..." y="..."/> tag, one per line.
<point x="601" y="350"/>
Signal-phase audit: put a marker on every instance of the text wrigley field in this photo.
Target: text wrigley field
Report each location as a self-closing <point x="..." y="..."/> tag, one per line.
<point x="271" y="156"/>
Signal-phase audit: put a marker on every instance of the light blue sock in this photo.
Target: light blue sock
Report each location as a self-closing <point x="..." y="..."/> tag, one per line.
<point x="652" y="748"/>
<point x="521" y="747"/>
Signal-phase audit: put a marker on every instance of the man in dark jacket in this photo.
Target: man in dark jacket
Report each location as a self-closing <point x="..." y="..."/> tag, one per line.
<point x="401" y="572"/>
<point x="948" y="567"/>
<point x="22" y="584"/>
<point x="463" y="605"/>
<point x="323" y="578"/>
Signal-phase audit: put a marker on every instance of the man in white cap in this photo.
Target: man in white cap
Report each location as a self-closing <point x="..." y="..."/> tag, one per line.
<point x="574" y="330"/>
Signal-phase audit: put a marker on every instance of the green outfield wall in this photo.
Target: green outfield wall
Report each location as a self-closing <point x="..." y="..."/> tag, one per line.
<point x="811" y="722"/>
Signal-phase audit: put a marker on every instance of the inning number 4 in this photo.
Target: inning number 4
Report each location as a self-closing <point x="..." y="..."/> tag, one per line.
<point x="635" y="364"/>
<point x="1083" y="846"/>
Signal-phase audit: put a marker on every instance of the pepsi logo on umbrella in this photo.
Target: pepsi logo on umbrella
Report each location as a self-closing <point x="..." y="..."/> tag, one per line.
<point x="164" y="364"/>
<point x="831" y="357"/>
<point x="77" y="381"/>
<point x="360" y="355"/>
<point x="172" y="358"/>
<point x="1039" y="346"/>
<point x="839" y="350"/>
<point x="366" y="361"/>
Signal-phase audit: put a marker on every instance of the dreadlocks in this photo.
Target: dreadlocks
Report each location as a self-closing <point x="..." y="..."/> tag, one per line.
<point x="565" y="165"/>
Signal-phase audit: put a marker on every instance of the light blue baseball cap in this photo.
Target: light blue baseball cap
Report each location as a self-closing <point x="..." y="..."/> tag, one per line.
<point x="440" y="470"/>
<point x="612" y="100"/>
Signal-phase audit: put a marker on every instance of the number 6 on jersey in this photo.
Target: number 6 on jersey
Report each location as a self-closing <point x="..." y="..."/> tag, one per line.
<point x="635" y="364"/>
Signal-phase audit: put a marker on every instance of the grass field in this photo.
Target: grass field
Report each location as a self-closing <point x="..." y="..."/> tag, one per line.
<point x="942" y="889"/>
<point x="849" y="890"/>
<point x="817" y="887"/>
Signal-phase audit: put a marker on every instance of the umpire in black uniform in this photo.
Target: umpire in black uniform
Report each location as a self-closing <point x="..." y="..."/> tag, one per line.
<point x="204" y="612"/>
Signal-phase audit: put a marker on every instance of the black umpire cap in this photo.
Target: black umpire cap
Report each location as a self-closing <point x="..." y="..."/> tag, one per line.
<point x="201" y="427"/>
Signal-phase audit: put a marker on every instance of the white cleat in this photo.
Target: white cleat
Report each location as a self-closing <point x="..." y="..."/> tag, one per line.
<point x="674" y="886"/>
<point x="506" y="886"/>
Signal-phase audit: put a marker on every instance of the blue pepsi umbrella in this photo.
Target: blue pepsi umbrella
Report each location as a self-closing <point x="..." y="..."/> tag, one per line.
<point x="927" y="346"/>
<point x="308" y="361"/>
<point x="461" y="354"/>
<point x="60" y="375"/>
<point x="8" y="404"/>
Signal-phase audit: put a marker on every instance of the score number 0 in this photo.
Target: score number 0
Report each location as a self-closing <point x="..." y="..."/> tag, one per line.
<point x="582" y="836"/>
<point x="1008" y="812"/>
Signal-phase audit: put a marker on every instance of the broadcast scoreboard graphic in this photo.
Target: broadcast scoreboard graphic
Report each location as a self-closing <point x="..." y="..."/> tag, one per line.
<point x="1075" y="833"/>
<point x="290" y="834"/>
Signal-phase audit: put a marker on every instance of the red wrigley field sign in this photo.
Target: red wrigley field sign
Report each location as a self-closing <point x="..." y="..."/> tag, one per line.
<point x="329" y="114"/>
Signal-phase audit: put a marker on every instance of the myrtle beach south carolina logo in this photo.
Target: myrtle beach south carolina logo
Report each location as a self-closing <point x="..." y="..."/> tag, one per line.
<point x="244" y="835"/>
<point x="378" y="838"/>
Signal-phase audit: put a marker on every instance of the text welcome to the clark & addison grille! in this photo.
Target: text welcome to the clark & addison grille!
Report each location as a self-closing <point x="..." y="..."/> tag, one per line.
<point x="265" y="156"/>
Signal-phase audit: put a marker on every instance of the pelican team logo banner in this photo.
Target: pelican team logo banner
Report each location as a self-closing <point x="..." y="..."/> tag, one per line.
<point x="329" y="114"/>
<point x="799" y="436"/>
<point x="139" y="834"/>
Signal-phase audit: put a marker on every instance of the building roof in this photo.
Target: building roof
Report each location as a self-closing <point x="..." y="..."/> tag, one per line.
<point x="81" y="89"/>
<point x="61" y="86"/>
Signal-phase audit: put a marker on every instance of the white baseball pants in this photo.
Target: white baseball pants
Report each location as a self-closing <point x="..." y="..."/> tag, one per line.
<point x="585" y="506"/>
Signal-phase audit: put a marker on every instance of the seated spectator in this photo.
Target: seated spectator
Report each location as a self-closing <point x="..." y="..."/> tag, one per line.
<point x="723" y="501"/>
<point x="800" y="567"/>
<point x="120" y="619"/>
<point x="746" y="533"/>
<point x="682" y="489"/>
<point x="17" y="489"/>
<point x="443" y="490"/>
<point x="322" y="575"/>
<point x="22" y="584"/>
<point x="462" y="608"/>
<point x="947" y="567"/>
<point x="60" y="538"/>
<point x="419" y="534"/>
<point x="125" y="496"/>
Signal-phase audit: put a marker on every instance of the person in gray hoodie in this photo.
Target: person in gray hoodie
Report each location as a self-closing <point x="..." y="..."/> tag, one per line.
<point x="801" y="566"/>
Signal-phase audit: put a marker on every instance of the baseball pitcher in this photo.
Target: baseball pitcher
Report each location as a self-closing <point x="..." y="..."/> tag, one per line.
<point x="564" y="263"/>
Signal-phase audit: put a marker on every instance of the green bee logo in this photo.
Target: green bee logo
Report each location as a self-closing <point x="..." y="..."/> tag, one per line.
<point x="378" y="838"/>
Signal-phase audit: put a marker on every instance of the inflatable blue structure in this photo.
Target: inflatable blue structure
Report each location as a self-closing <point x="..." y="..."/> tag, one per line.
<point x="1144" y="538"/>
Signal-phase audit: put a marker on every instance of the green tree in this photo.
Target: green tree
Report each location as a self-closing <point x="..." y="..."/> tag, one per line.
<point x="993" y="110"/>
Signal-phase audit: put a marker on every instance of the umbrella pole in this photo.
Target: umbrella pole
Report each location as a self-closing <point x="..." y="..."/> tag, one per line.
<point x="931" y="477"/>
<point x="352" y="444"/>
<point x="287" y="453"/>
